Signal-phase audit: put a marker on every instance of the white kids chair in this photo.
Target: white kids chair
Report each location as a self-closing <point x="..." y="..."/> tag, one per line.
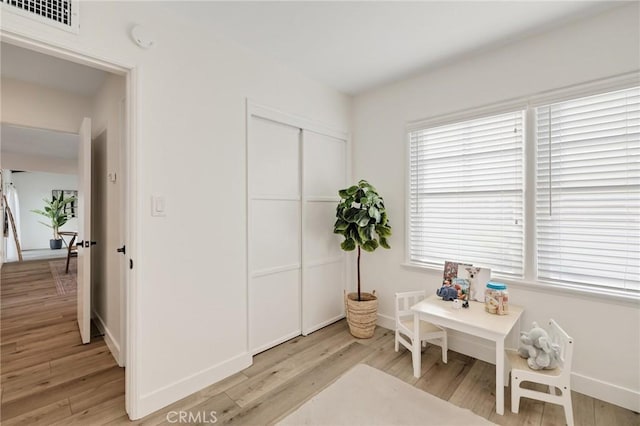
<point x="404" y="324"/>
<point x="559" y="377"/>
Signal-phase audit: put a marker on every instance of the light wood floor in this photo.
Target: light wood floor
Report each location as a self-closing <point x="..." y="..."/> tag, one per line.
<point x="48" y="377"/>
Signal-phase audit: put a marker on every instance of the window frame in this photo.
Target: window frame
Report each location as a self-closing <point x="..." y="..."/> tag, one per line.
<point x="528" y="103"/>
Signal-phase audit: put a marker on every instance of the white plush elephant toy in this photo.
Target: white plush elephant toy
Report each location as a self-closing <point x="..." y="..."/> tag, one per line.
<point x="536" y="347"/>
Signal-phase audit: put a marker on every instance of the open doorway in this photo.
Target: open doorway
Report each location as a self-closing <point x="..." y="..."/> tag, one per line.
<point x="32" y="222"/>
<point x="47" y="95"/>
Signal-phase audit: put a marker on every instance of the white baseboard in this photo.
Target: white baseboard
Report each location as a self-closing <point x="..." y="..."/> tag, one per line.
<point x="275" y="342"/>
<point x="485" y="351"/>
<point x="386" y="321"/>
<point x="166" y="395"/>
<point x="323" y="324"/>
<point x="111" y="342"/>
<point x="609" y="392"/>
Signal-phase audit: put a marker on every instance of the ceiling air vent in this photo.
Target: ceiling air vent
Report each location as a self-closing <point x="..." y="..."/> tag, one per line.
<point x="59" y="13"/>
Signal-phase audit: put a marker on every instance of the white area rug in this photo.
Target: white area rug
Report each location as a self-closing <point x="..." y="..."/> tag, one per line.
<point x="367" y="396"/>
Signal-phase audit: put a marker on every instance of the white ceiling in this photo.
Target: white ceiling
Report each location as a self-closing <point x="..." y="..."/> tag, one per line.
<point x="354" y="46"/>
<point x="47" y="143"/>
<point x="351" y="46"/>
<point x="33" y="67"/>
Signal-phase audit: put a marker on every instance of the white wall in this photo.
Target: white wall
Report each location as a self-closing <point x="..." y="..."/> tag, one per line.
<point x="607" y="333"/>
<point x="191" y="318"/>
<point x="32" y="189"/>
<point x="31" y="105"/>
<point x="107" y="211"/>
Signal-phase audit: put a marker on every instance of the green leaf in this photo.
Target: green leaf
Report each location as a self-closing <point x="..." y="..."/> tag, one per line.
<point x="350" y="214"/>
<point x="384" y="243"/>
<point x="374" y="213"/>
<point x="370" y="245"/>
<point x="365" y="233"/>
<point x="383" y="230"/>
<point x="340" y="226"/>
<point x="343" y="193"/>
<point x="362" y="218"/>
<point x="352" y="190"/>
<point x="364" y="184"/>
<point x="348" y="245"/>
<point x="354" y="234"/>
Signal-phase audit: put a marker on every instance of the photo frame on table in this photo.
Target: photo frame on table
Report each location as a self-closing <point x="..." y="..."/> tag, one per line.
<point x="478" y="278"/>
<point x="455" y="276"/>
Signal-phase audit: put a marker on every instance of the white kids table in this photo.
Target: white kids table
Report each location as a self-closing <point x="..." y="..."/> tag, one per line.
<point x="473" y="320"/>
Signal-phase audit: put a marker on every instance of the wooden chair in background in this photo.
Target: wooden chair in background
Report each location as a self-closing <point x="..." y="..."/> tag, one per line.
<point x="72" y="251"/>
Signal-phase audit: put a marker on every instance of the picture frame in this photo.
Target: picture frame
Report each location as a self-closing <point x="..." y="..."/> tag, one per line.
<point x="451" y="271"/>
<point x="454" y="275"/>
<point x="478" y="278"/>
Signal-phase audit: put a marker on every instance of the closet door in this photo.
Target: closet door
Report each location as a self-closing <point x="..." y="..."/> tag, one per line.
<point x="324" y="267"/>
<point x="274" y="241"/>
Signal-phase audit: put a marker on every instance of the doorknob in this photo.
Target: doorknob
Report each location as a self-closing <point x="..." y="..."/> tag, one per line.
<point x="86" y="244"/>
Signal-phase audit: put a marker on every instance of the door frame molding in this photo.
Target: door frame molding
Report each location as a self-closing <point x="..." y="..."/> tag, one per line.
<point x="130" y="187"/>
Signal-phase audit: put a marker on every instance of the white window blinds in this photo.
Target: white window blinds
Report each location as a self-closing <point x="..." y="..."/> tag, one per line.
<point x="588" y="190"/>
<point x="466" y="193"/>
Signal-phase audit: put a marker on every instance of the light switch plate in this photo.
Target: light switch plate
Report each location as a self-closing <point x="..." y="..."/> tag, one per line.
<point x="158" y="206"/>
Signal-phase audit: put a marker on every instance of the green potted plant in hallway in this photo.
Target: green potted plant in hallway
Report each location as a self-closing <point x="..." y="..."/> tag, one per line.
<point x="361" y="219"/>
<point x="54" y="210"/>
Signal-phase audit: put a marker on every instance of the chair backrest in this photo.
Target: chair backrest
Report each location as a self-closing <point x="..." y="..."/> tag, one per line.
<point x="71" y="248"/>
<point x="404" y="302"/>
<point x="562" y="339"/>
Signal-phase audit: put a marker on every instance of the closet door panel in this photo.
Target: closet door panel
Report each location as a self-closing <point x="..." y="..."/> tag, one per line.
<point x="275" y="234"/>
<point x="324" y="266"/>
<point x="275" y="309"/>
<point x="320" y="243"/>
<point x="323" y="294"/>
<point x="324" y="165"/>
<point x="274" y="158"/>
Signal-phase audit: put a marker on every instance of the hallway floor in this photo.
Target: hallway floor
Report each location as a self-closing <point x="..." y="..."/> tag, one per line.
<point x="48" y="375"/>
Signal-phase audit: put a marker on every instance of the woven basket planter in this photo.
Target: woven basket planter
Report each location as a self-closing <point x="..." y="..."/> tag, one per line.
<point x="361" y="315"/>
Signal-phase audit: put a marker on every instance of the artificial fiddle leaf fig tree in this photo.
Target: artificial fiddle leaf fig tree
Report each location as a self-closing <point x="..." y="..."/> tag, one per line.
<point x="361" y="219"/>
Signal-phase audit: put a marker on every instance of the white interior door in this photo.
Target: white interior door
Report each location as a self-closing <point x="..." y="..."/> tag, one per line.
<point x="324" y="263"/>
<point x="274" y="233"/>
<point x="84" y="231"/>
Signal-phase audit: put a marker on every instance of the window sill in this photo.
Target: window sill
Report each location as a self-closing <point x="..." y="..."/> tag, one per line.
<point x="612" y="295"/>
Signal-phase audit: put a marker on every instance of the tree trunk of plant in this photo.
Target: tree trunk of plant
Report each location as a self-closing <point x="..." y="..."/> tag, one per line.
<point x="359" y="297"/>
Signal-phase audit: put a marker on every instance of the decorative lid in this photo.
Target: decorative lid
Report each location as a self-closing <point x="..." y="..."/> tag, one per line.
<point x="496" y="286"/>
